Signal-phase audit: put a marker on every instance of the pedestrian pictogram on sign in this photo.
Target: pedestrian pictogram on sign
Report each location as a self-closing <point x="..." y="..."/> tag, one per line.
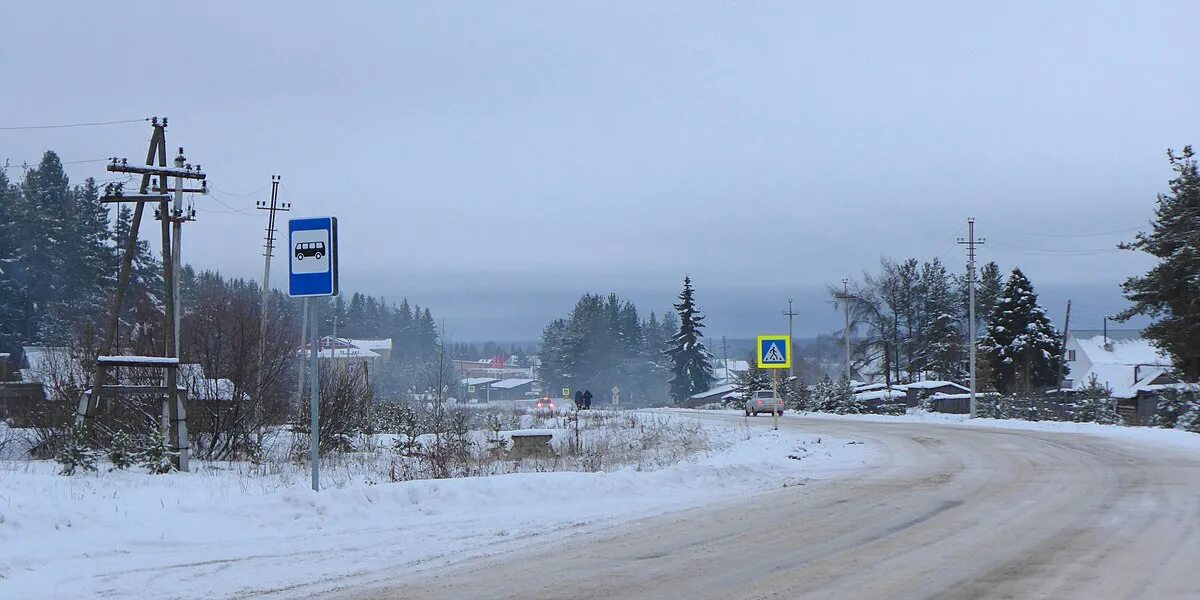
<point x="774" y="352"/>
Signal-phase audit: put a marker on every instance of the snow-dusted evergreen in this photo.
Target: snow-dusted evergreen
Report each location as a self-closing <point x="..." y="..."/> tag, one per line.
<point x="56" y="257"/>
<point x="691" y="366"/>
<point x="1022" y="347"/>
<point x="942" y="349"/>
<point x="602" y="343"/>
<point x="76" y="455"/>
<point x="1168" y="292"/>
<point x="1095" y="404"/>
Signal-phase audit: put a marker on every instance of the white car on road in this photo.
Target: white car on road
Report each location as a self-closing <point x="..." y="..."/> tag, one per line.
<point x="763" y="401"/>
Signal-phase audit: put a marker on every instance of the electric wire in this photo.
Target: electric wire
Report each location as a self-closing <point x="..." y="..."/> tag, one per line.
<point x="63" y="126"/>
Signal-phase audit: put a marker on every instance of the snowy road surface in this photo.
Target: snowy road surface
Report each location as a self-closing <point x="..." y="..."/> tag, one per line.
<point x="953" y="512"/>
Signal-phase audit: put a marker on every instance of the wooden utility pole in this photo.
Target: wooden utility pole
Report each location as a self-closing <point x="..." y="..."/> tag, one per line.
<point x="265" y="305"/>
<point x="1062" y="363"/>
<point x="174" y="419"/>
<point x="972" y="331"/>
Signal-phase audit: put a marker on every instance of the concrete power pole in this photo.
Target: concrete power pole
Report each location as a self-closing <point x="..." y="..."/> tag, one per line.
<point x="789" y="314"/>
<point x="845" y="296"/>
<point x="264" y="307"/>
<point x="972" y="332"/>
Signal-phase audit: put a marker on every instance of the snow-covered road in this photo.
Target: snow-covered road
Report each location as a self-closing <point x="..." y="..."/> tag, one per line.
<point x="997" y="510"/>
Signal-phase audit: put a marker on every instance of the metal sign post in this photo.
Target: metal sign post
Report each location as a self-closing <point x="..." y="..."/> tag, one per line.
<point x="314" y="399"/>
<point x="775" y="353"/>
<point x="313" y="272"/>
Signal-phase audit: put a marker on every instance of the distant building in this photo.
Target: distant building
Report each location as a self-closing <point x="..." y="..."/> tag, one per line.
<point x="349" y="355"/>
<point x="516" y="389"/>
<point x="1123" y="361"/>
<point x="728" y="370"/>
<point x="477" y="389"/>
<point x="490" y="367"/>
<point x="380" y="346"/>
<point x="720" y="393"/>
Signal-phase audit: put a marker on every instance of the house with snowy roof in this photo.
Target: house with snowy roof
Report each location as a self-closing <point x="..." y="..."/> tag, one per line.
<point x="727" y="370"/>
<point x="721" y="393"/>
<point x="519" y="388"/>
<point x="1122" y="360"/>
<point x="354" y="356"/>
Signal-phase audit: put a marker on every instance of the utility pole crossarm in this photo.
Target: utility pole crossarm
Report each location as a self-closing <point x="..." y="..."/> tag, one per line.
<point x="183" y="172"/>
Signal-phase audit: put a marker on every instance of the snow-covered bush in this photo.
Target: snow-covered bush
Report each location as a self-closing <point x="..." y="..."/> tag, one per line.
<point x="76" y="455"/>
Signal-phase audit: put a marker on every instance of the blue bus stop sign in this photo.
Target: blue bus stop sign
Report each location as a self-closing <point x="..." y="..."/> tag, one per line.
<point x="312" y="249"/>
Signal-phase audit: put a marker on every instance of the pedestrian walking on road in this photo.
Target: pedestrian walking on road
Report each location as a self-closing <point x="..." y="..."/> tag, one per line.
<point x="578" y="400"/>
<point x="587" y="399"/>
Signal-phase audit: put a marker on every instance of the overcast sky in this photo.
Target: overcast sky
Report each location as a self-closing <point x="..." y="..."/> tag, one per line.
<point x="496" y="160"/>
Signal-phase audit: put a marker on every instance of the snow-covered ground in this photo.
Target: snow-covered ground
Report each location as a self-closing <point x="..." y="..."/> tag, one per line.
<point x="223" y="533"/>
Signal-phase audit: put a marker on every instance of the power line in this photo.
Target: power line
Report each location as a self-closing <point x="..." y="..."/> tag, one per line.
<point x="1056" y="252"/>
<point x="1069" y="235"/>
<point x="254" y="193"/>
<point x="65" y="162"/>
<point x="21" y="127"/>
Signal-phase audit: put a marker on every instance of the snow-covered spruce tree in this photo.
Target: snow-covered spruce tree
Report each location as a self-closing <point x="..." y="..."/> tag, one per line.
<point x="154" y="455"/>
<point x="1021" y="345"/>
<point x="801" y="395"/>
<point x="1191" y="420"/>
<point x="843" y="399"/>
<point x="750" y="381"/>
<point x="75" y="454"/>
<point x="1095" y="404"/>
<point x="1173" y="407"/>
<point x="1168" y="291"/>
<point x="821" y="398"/>
<point x="691" y="369"/>
<point x="942" y="351"/>
<point x="121" y="451"/>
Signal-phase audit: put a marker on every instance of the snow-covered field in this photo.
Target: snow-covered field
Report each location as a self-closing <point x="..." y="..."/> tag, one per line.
<point x="229" y="532"/>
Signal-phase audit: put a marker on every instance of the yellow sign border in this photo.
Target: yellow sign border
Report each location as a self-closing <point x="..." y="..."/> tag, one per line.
<point x="787" y="343"/>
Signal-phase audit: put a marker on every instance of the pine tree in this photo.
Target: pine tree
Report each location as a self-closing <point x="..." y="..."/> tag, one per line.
<point x="1095" y="404"/>
<point x="1168" y="292"/>
<point x="822" y="398"/>
<point x="691" y="369"/>
<point x="843" y="400"/>
<point x="1174" y="406"/>
<point x="751" y="380"/>
<point x="799" y="395"/>
<point x="155" y="455"/>
<point x="942" y="351"/>
<point x="10" y="340"/>
<point x="1021" y="345"/>
<point x="121" y="451"/>
<point x="76" y="455"/>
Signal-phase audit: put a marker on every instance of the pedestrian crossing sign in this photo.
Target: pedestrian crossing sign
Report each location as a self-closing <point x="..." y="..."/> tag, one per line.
<point x="774" y="352"/>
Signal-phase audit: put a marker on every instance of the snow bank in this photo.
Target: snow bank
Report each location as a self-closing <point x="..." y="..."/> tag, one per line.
<point x="217" y="533"/>
<point x="1171" y="438"/>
